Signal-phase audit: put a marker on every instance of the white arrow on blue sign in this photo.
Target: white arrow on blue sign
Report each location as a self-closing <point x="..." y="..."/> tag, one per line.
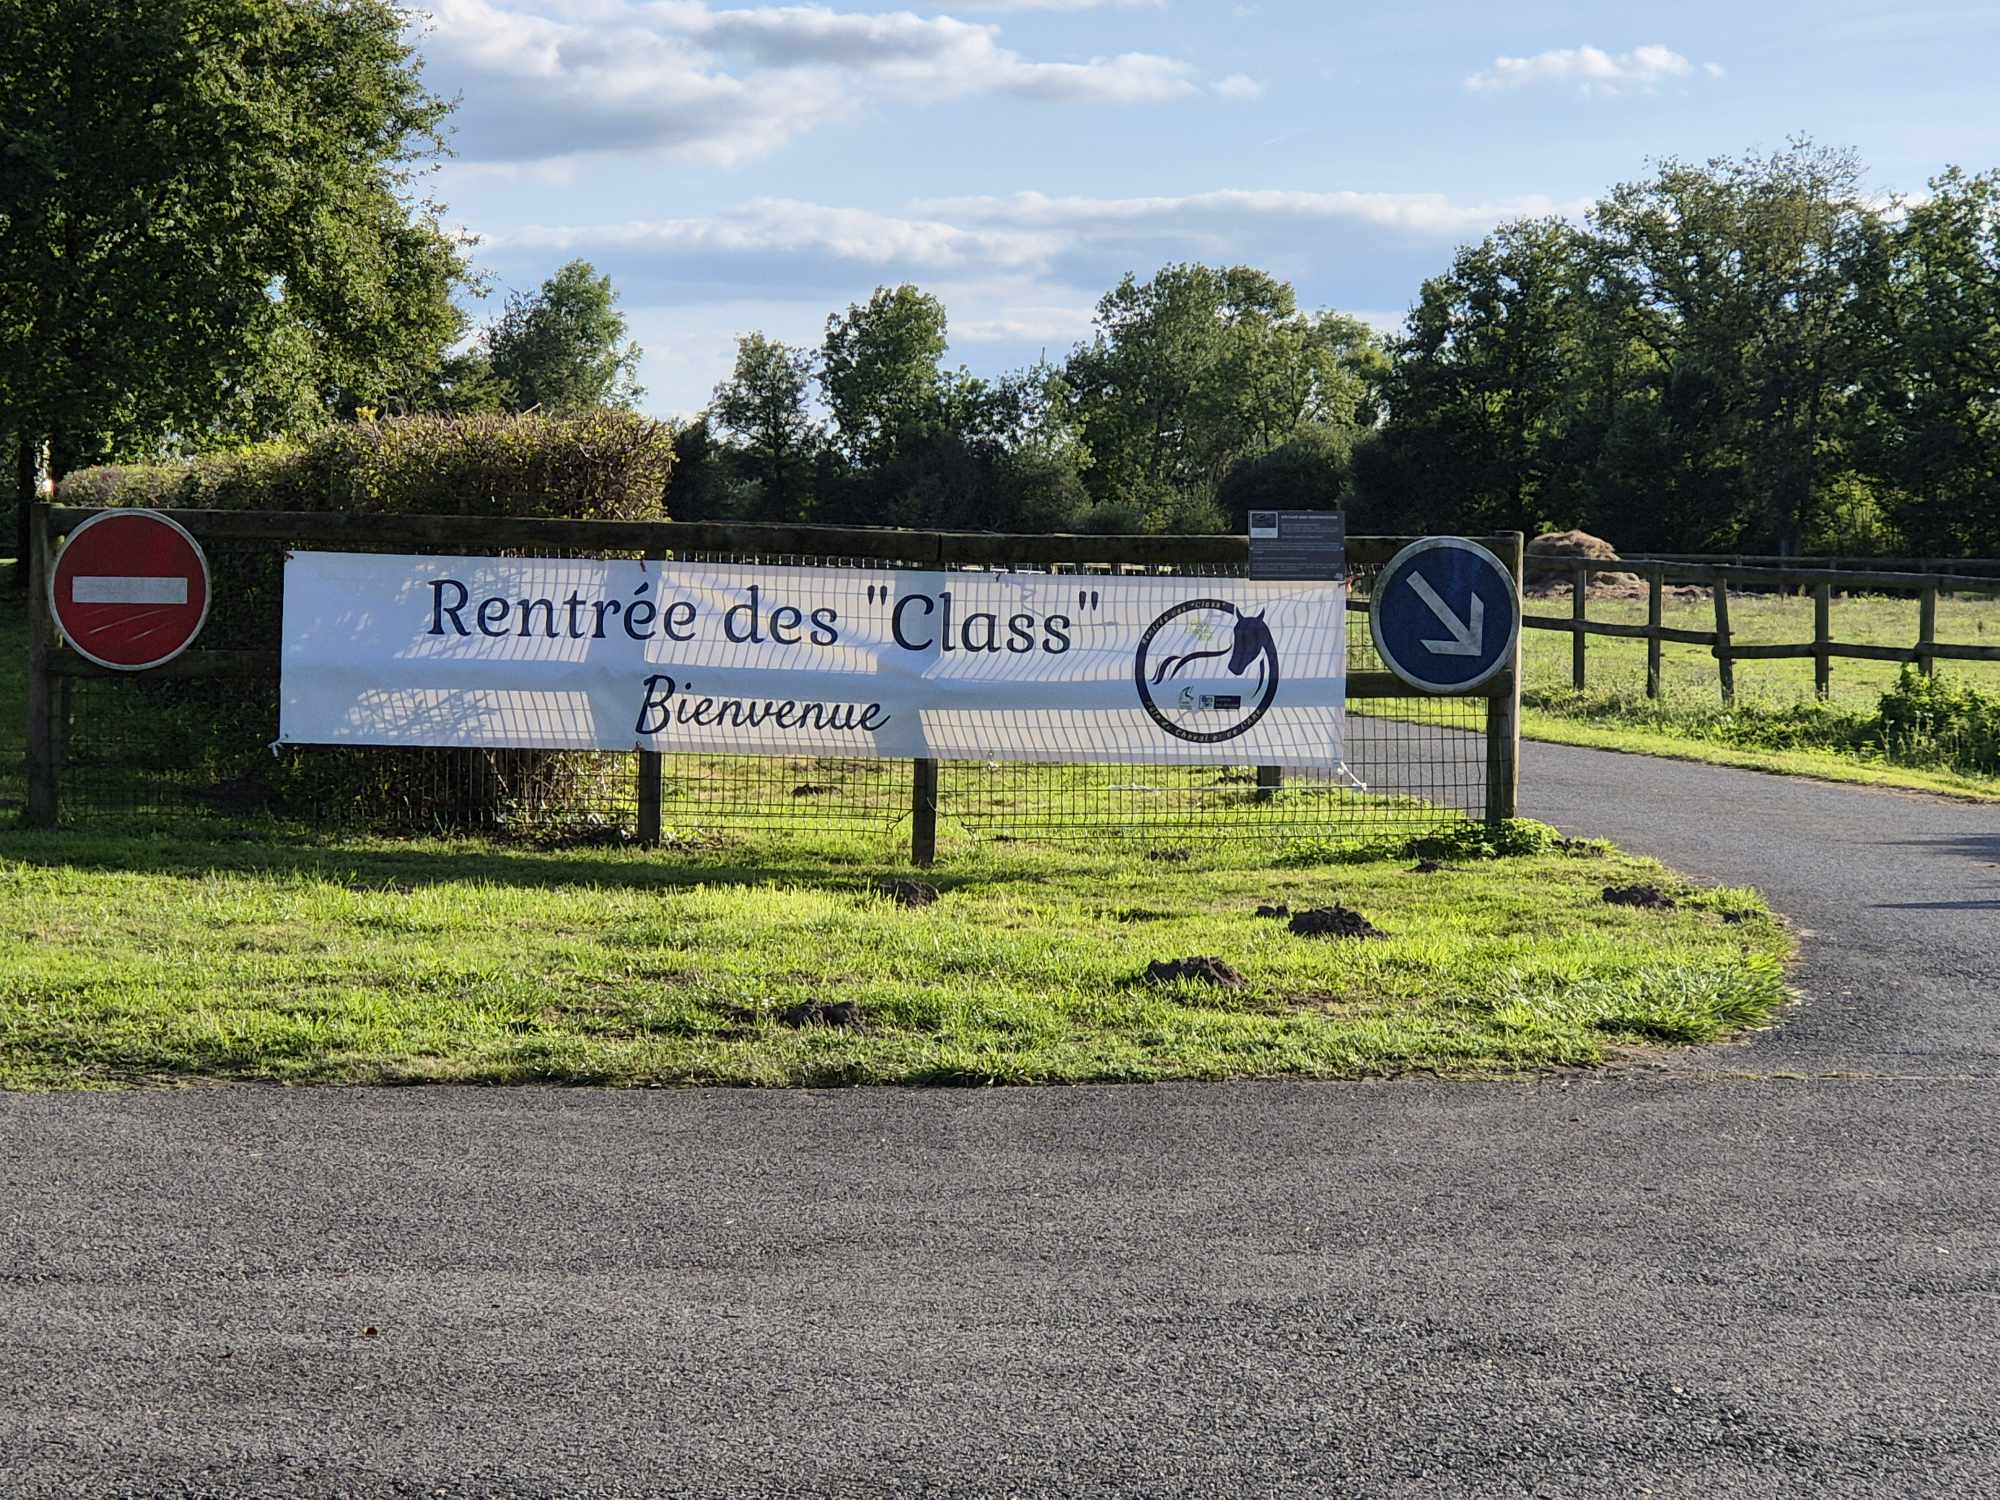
<point x="1445" y="614"/>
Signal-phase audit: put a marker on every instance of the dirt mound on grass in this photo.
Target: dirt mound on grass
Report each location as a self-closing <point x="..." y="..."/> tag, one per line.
<point x="1200" y="970"/>
<point x="1335" y="921"/>
<point x="1650" y="897"/>
<point x="822" y="1013"/>
<point x="1279" y="909"/>
<point x="909" y="892"/>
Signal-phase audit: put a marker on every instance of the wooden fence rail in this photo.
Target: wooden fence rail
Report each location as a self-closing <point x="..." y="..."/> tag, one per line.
<point x="1925" y="653"/>
<point x="1984" y="567"/>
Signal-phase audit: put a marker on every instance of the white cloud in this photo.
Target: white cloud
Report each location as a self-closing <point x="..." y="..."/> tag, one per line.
<point x="769" y="227"/>
<point x="1066" y="5"/>
<point x="1425" y="215"/>
<point x="1592" y="69"/>
<point x="724" y="86"/>
<point x="1240" y="86"/>
<point x="1018" y="273"/>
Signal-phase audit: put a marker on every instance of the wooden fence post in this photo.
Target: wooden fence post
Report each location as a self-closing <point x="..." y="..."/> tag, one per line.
<point x="923" y="813"/>
<point x="1503" y="713"/>
<point x="1579" y="593"/>
<point x="44" y="729"/>
<point x="1725" y="664"/>
<point x="1822" y="638"/>
<point x="652" y="777"/>
<point x="1655" y="583"/>
<point x="1927" y="630"/>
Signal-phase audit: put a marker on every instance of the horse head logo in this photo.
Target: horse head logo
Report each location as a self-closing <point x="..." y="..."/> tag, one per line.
<point x="1250" y="642"/>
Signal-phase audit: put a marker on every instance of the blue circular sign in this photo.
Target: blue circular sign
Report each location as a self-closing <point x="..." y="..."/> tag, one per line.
<point x="1445" y="614"/>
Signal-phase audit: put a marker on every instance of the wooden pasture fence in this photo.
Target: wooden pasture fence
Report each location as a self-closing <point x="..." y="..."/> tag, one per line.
<point x="1925" y="653"/>
<point x="1978" y="567"/>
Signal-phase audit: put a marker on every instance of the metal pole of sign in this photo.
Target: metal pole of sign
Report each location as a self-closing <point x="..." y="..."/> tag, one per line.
<point x="44" y="730"/>
<point x="923" y="813"/>
<point x="1503" y="708"/>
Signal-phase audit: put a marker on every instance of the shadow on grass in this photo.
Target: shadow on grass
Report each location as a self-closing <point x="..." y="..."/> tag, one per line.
<point x="267" y="853"/>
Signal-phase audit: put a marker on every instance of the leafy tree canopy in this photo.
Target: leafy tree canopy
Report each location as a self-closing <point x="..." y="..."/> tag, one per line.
<point x="207" y="222"/>
<point x="563" y="348"/>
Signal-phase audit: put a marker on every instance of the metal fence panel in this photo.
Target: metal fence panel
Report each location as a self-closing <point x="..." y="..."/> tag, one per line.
<point x="197" y="745"/>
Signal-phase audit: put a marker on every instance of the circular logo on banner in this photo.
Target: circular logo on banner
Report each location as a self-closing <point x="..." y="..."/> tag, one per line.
<point x="1206" y="671"/>
<point x="129" y="589"/>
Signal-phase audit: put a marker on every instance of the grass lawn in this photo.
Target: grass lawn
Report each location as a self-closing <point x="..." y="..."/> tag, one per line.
<point x="1689" y="720"/>
<point x="204" y="950"/>
<point x="140" y="960"/>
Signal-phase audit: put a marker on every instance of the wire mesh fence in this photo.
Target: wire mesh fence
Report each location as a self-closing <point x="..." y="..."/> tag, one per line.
<point x="202" y="746"/>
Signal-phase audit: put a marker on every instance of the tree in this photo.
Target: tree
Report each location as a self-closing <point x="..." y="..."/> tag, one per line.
<point x="563" y="348"/>
<point x="1483" y="379"/>
<point x="1308" y="471"/>
<point x="199" y="198"/>
<point x="1199" y="368"/>
<point x="765" y="403"/>
<point x="1744" y="279"/>
<point x="1933" y="430"/>
<point x="881" y="375"/>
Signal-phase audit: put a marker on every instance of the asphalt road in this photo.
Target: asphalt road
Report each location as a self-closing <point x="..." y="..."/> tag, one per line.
<point x="1763" y="1270"/>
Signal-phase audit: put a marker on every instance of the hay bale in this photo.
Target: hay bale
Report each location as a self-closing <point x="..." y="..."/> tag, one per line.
<point x="1566" y="546"/>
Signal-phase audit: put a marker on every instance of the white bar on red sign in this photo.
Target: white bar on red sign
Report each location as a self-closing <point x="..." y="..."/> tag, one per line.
<point x="108" y="590"/>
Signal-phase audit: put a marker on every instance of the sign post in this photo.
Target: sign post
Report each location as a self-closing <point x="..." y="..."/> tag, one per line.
<point x="1305" y="545"/>
<point x="1446" y="618"/>
<point x="129" y="590"/>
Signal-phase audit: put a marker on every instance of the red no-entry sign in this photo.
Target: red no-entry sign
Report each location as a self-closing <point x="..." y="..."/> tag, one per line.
<point x="129" y="589"/>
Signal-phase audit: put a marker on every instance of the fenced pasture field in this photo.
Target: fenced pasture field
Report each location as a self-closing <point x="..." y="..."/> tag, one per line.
<point x="1781" y="669"/>
<point x="1770" y="617"/>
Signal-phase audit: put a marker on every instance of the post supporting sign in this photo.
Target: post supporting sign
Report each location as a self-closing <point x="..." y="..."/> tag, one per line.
<point x="1445" y="614"/>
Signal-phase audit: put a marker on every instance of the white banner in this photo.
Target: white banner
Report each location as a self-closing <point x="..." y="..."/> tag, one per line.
<point x="675" y="657"/>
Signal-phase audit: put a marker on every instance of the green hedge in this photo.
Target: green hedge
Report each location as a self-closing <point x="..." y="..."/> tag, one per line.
<point x="604" y="465"/>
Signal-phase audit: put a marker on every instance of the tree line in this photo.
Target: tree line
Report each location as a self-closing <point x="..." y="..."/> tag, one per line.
<point x="1745" y="354"/>
<point x="1203" y="390"/>
<point x="214" y="230"/>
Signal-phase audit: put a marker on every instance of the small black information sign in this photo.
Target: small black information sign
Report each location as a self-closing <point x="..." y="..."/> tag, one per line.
<point x="1298" y="545"/>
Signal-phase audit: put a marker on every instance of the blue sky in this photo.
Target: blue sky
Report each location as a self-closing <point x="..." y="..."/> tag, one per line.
<point x="742" y="166"/>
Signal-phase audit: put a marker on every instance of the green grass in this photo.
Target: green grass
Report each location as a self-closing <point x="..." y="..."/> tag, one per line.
<point x="197" y="951"/>
<point x="139" y="960"/>
<point x="1776" y="724"/>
